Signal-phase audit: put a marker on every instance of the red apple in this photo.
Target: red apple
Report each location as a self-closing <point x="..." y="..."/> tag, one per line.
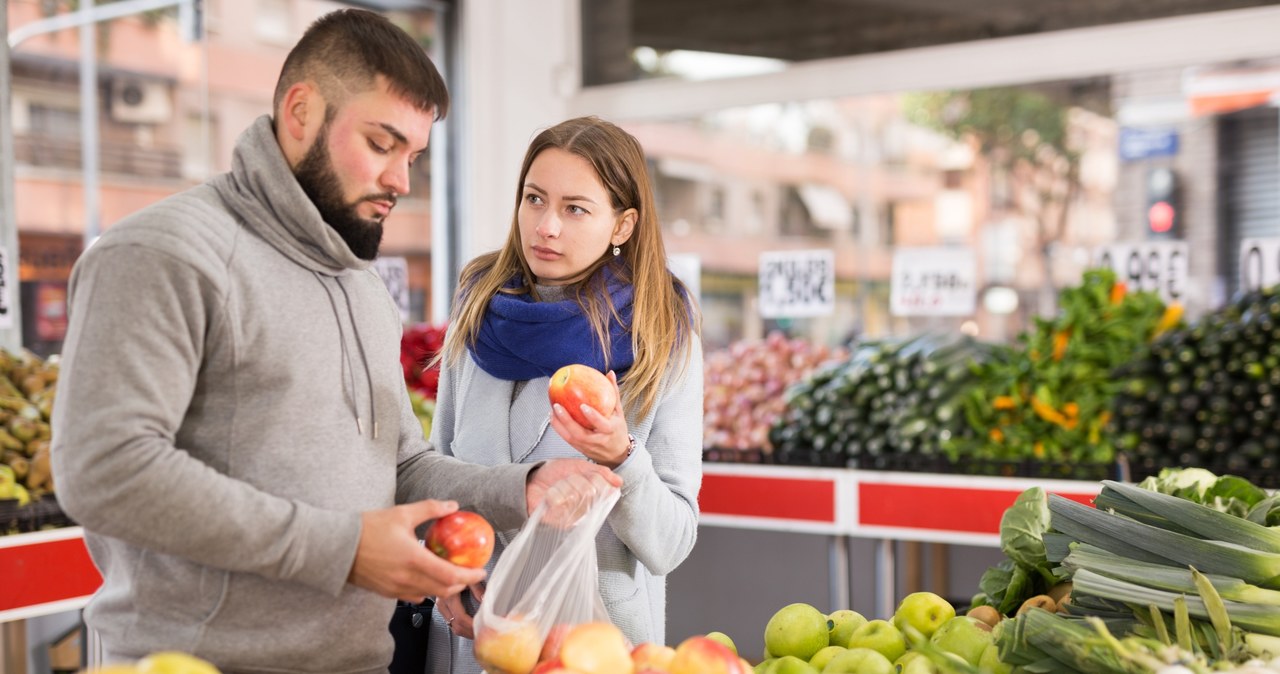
<point x="464" y="538"/>
<point x="700" y="655"/>
<point x="652" y="657"/>
<point x="596" y="648"/>
<point x="510" y="648"/>
<point x="548" y="667"/>
<point x="575" y="385"/>
<point x="551" y="646"/>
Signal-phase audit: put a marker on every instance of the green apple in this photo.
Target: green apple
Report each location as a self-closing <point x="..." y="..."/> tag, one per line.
<point x="925" y="611"/>
<point x="763" y="667"/>
<point x="880" y="636"/>
<point x="822" y="657"/>
<point x="797" y="629"/>
<point x="843" y="624"/>
<point x="790" y="664"/>
<point x="914" y="662"/>
<point x="963" y="636"/>
<point x="859" y="661"/>
<point x="724" y="639"/>
<point x="990" y="661"/>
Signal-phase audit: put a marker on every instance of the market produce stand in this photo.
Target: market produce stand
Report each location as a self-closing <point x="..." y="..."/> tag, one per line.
<point x="50" y="571"/>
<point x="884" y="506"/>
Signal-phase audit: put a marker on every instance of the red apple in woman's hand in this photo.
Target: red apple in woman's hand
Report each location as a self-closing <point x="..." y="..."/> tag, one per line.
<point x="575" y="385"/>
<point x="464" y="538"/>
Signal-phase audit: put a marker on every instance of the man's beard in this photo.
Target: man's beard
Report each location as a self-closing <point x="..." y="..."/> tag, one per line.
<point x="317" y="178"/>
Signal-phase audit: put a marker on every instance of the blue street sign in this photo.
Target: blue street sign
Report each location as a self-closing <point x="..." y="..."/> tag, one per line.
<point x="1136" y="144"/>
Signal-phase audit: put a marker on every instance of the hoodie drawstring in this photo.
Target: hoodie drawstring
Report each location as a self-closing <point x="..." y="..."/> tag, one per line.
<point x="368" y="378"/>
<point x="350" y="392"/>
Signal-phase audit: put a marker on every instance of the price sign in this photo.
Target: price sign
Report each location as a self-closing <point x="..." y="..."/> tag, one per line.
<point x="1259" y="263"/>
<point x="688" y="268"/>
<point x="797" y="283"/>
<point x="933" y="282"/>
<point x="394" y="272"/>
<point x="1159" y="266"/>
<point x="6" y="289"/>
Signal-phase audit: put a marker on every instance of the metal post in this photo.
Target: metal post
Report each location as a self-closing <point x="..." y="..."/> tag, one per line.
<point x="838" y="572"/>
<point x="89" y="123"/>
<point x="886" y="577"/>
<point x="10" y="337"/>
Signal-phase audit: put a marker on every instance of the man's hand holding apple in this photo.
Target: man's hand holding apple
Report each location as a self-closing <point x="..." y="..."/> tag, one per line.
<point x="390" y="561"/>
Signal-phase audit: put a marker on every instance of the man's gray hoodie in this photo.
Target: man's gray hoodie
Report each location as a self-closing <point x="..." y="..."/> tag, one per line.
<point x="231" y="399"/>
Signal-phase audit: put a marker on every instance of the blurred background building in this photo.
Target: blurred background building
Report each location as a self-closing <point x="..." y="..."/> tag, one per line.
<point x="1028" y="136"/>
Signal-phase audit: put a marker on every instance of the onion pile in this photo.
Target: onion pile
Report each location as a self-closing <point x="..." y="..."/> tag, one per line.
<point x="743" y="389"/>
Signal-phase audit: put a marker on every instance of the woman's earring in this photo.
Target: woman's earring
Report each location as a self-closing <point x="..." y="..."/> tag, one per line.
<point x="617" y="251"/>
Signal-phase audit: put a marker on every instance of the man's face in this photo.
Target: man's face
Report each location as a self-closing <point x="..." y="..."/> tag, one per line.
<point x="358" y="165"/>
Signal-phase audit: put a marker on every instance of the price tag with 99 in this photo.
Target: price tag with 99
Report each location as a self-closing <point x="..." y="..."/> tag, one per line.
<point x="1158" y="266"/>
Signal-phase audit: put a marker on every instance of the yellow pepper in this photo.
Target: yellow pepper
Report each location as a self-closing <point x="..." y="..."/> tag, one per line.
<point x="1046" y="412"/>
<point x="996" y="435"/>
<point x="1172" y="315"/>
<point x="1118" y="291"/>
<point x="1060" y="340"/>
<point x="1004" y="403"/>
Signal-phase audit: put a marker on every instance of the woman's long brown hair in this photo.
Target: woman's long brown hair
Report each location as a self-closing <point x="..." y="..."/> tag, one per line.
<point x="664" y="319"/>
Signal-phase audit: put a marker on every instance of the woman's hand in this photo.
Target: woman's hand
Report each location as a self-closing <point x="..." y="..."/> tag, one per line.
<point x="455" y="612"/>
<point x="605" y="440"/>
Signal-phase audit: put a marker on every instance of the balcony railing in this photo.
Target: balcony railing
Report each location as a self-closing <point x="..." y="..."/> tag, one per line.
<point x="113" y="158"/>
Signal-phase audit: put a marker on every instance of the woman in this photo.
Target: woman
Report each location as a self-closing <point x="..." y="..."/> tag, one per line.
<point x="582" y="278"/>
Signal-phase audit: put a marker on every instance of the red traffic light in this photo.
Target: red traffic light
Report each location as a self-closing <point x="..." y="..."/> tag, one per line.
<point x="1160" y="217"/>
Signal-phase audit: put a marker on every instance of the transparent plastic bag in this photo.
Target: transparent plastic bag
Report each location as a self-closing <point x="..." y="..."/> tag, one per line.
<point x="547" y="579"/>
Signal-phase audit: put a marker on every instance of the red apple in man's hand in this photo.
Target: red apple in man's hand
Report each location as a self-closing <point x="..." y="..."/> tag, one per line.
<point x="464" y="538"/>
<point x="575" y="385"/>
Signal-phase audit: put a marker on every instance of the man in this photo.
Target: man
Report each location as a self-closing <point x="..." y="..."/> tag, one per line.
<point x="232" y="427"/>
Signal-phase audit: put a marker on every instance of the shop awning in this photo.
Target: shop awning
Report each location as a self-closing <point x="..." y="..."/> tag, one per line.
<point x="828" y="208"/>
<point x="1222" y="90"/>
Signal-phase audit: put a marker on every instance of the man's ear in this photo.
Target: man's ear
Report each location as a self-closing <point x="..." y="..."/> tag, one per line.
<point x="300" y="117"/>
<point x="625" y="227"/>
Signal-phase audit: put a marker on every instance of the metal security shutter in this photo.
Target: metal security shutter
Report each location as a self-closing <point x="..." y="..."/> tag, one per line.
<point x="1249" y="147"/>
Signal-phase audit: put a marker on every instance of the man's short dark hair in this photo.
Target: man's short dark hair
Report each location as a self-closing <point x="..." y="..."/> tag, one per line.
<point x="344" y="51"/>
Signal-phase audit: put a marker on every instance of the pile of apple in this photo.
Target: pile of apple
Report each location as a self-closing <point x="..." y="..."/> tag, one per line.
<point x="598" y="648"/>
<point x="920" y="638"/>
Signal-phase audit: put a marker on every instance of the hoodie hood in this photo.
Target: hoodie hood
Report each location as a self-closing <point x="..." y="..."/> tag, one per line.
<point x="262" y="190"/>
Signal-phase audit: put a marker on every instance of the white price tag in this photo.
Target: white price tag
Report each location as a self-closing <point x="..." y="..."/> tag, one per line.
<point x="6" y="289"/>
<point x="797" y="283"/>
<point x="1159" y="266"/>
<point x="933" y="282"/>
<point x="394" y="272"/>
<point x="688" y="268"/>
<point x="1259" y="263"/>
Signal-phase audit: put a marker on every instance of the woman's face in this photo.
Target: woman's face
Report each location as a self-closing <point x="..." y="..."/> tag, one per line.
<point x="566" y="219"/>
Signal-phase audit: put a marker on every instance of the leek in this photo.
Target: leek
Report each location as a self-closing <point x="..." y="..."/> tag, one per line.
<point x="1203" y="520"/>
<point x="1261" y="619"/>
<point x="1113" y="501"/>
<point x="1160" y="577"/>
<point x="1126" y="537"/>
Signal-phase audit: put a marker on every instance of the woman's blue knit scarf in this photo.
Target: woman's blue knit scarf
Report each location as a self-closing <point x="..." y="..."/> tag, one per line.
<point x="523" y="339"/>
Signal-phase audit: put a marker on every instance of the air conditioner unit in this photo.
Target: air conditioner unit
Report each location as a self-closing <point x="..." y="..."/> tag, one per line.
<point x="139" y="101"/>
